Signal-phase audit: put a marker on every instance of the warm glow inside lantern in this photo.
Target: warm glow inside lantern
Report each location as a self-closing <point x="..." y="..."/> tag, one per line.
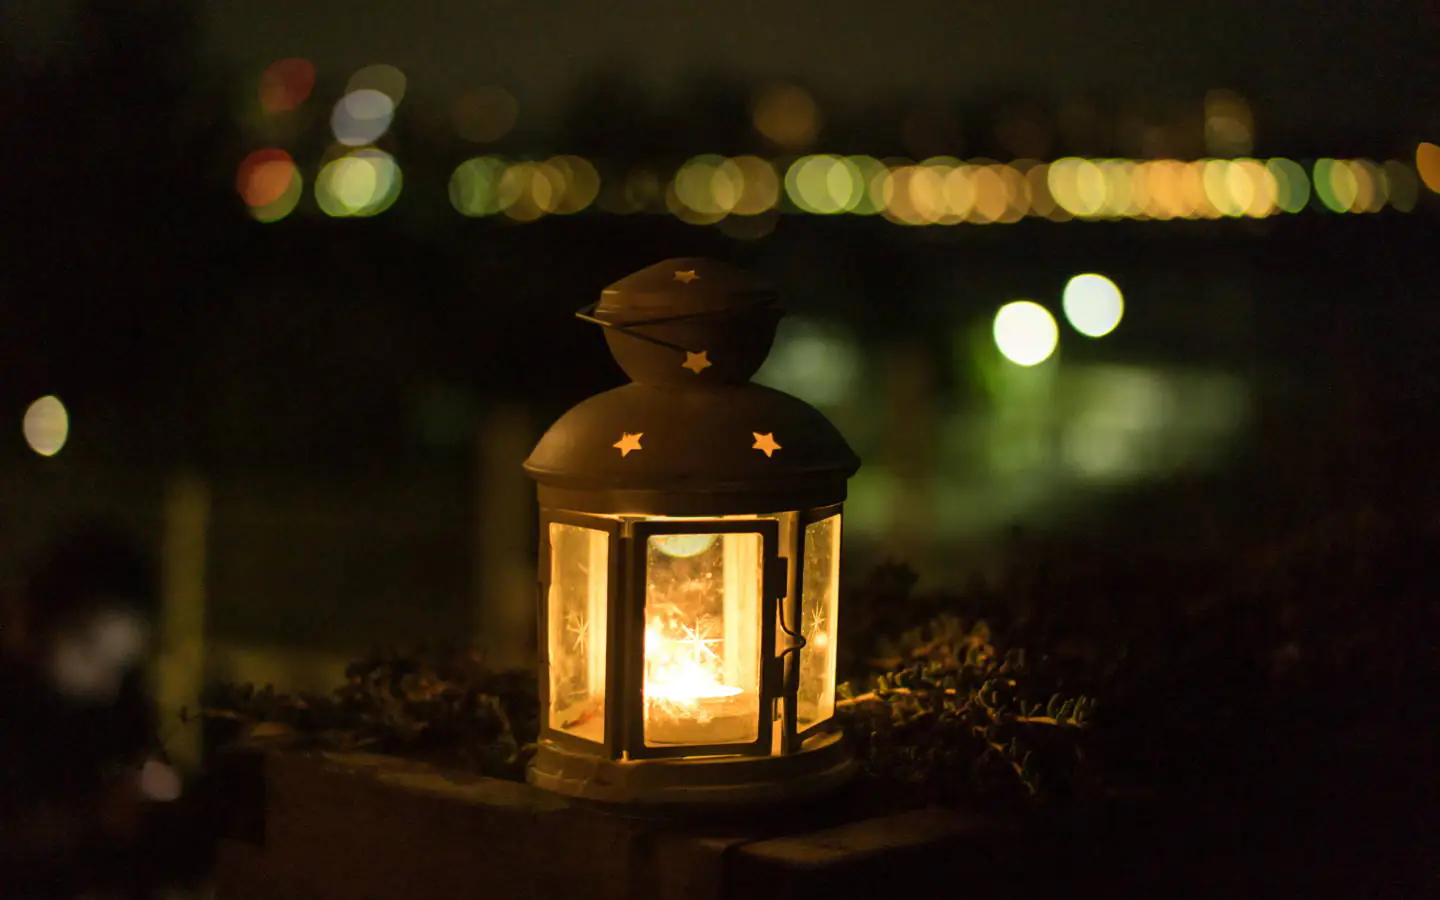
<point x="690" y="554"/>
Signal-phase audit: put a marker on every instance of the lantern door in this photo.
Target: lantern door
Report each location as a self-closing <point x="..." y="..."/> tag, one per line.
<point x="580" y="592"/>
<point x="703" y="675"/>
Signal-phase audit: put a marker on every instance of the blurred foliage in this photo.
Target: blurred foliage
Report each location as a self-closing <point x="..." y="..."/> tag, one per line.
<point x="1265" y="659"/>
<point x="950" y="717"/>
<point x="447" y="707"/>
<point x="1257" y="658"/>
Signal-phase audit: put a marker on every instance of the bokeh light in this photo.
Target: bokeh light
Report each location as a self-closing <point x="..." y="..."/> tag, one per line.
<point x="872" y="180"/>
<point x="1370" y="188"/>
<point x="475" y="186"/>
<point x="364" y="183"/>
<point x="484" y="115"/>
<point x="580" y="183"/>
<point x="824" y="184"/>
<point x="787" y="115"/>
<point x="759" y="185"/>
<point x="361" y="117"/>
<point x="264" y="176"/>
<point x="529" y="190"/>
<point x="46" y="425"/>
<point x="1229" y="124"/>
<point x="285" y="84"/>
<point x="1335" y="185"/>
<point x="1093" y="304"/>
<point x="1404" y="187"/>
<point x="1292" y="186"/>
<point x="1078" y="186"/>
<point x="701" y="186"/>
<point x="1025" y="332"/>
<point x="1427" y="164"/>
<point x="382" y="78"/>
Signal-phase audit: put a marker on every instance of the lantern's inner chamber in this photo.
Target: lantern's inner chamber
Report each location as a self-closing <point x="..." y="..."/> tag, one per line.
<point x="706" y="627"/>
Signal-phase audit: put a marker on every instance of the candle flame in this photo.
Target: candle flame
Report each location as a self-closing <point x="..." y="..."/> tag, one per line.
<point x="682" y="670"/>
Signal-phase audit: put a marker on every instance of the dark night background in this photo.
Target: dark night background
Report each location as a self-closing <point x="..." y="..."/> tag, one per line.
<point x="357" y="394"/>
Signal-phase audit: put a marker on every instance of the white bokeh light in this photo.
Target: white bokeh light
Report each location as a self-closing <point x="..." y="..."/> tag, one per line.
<point x="1093" y="304"/>
<point x="361" y="117"/>
<point x="1025" y="332"/>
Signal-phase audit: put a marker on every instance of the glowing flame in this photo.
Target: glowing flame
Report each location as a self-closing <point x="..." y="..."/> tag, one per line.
<point x="683" y="668"/>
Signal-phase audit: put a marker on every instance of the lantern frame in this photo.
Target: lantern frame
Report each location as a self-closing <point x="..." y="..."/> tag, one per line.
<point x="690" y="333"/>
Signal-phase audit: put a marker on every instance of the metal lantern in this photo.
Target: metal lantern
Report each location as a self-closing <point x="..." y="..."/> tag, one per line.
<point x="689" y="560"/>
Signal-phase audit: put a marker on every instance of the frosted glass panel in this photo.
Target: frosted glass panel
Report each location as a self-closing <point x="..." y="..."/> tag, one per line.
<point x="579" y="591"/>
<point x="819" y="604"/>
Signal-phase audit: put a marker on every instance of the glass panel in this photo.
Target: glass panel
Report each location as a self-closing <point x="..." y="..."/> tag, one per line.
<point x="702" y="638"/>
<point x="579" y="588"/>
<point x="819" y="604"/>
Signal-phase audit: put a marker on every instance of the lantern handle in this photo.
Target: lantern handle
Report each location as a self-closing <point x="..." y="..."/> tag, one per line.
<point x="586" y="314"/>
<point x="798" y="641"/>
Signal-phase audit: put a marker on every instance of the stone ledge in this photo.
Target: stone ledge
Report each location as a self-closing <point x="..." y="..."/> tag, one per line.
<point x="363" y="827"/>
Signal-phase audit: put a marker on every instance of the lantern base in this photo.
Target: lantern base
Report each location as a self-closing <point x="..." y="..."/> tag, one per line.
<point x="823" y="763"/>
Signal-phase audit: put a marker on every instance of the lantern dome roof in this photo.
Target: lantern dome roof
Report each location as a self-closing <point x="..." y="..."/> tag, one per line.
<point x="690" y="435"/>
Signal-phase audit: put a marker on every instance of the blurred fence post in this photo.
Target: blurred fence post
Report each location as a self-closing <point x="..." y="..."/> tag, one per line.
<point x="181" y="664"/>
<point x="504" y="573"/>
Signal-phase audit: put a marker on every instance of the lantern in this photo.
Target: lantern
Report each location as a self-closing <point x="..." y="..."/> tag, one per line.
<point x="689" y="560"/>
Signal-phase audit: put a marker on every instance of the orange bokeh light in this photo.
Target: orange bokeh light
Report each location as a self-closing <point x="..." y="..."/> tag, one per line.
<point x="264" y="176"/>
<point x="285" y="84"/>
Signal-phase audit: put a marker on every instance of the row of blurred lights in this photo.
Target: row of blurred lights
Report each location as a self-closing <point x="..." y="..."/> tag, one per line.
<point x="365" y="181"/>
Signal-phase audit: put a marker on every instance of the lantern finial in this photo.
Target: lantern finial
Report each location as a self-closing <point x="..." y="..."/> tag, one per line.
<point x="687" y="321"/>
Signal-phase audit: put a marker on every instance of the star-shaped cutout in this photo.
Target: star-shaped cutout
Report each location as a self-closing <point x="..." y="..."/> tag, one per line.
<point x="765" y="443"/>
<point x="628" y="442"/>
<point x="685" y="276"/>
<point x="696" y="362"/>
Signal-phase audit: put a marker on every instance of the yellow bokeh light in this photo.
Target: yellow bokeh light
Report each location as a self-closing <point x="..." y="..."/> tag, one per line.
<point x="703" y="187"/>
<point x="1093" y="304"/>
<point x="46" y="426"/>
<point x="529" y="190"/>
<point x="758" y="188"/>
<point x="686" y="213"/>
<point x="484" y="115"/>
<point x="1025" y="332"/>
<point x="1336" y="185"/>
<point x="1229" y="124"/>
<point x="386" y="79"/>
<point x="1193" y="190"/>
<point x="992" y="200"/>
<point x="1372" y="192"/>
<point x="363" y="183"/>
<point x="475" y="186"/>
<point x="1404" y="186"/>
<point x="581" y="183"/>
<point x="1078" y="186"/>
<point x="1161" y="193"/>
<point x="1118" y="199"/>
<point x="899" y="199"/>
<point x="1292" y="185"/>
<point x="871" y="197"/>
<point x="960" y="191"/>
<point x="1427" y="164"/>
<point x="787" y="115"/>
<point x="824" y="184"/>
